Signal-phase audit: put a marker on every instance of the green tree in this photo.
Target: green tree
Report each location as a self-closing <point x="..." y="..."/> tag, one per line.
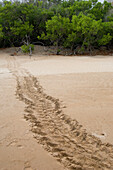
<point x="57" y="30"/>
<point x="87" y="33"/>
<point x="1" y="33"/>
<point x="100" y="10"/>
<point x="22" y="30"/>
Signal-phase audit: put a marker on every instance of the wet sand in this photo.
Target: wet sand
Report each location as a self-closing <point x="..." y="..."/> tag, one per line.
<point x="56" y="95"/>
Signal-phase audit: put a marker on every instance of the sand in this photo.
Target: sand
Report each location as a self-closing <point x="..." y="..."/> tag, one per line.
<point x="55" y="112"/>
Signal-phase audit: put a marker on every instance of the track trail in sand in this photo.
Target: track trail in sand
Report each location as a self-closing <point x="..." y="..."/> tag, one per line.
<point x="60" y="135"/>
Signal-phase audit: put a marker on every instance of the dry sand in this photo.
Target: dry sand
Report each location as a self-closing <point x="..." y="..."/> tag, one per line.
<point x="56" y="95"/>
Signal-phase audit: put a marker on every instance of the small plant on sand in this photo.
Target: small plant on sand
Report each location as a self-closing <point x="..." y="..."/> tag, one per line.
<point x="27" y="48"/>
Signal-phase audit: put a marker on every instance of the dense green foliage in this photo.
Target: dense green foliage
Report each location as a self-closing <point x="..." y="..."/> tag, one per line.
<point x="72" y="24"/>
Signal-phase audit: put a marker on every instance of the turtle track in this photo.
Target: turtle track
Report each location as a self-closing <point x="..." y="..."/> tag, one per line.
<point x="60" y="135"/>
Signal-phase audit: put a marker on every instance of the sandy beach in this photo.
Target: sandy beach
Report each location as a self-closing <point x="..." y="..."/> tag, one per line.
<point x="55" y="111"/>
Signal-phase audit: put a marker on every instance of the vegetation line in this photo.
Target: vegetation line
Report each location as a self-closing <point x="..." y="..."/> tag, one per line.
<point x="81" y="26"/>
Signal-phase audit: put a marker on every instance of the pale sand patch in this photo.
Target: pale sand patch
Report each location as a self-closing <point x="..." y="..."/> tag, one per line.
<point x="66" y="65"/>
